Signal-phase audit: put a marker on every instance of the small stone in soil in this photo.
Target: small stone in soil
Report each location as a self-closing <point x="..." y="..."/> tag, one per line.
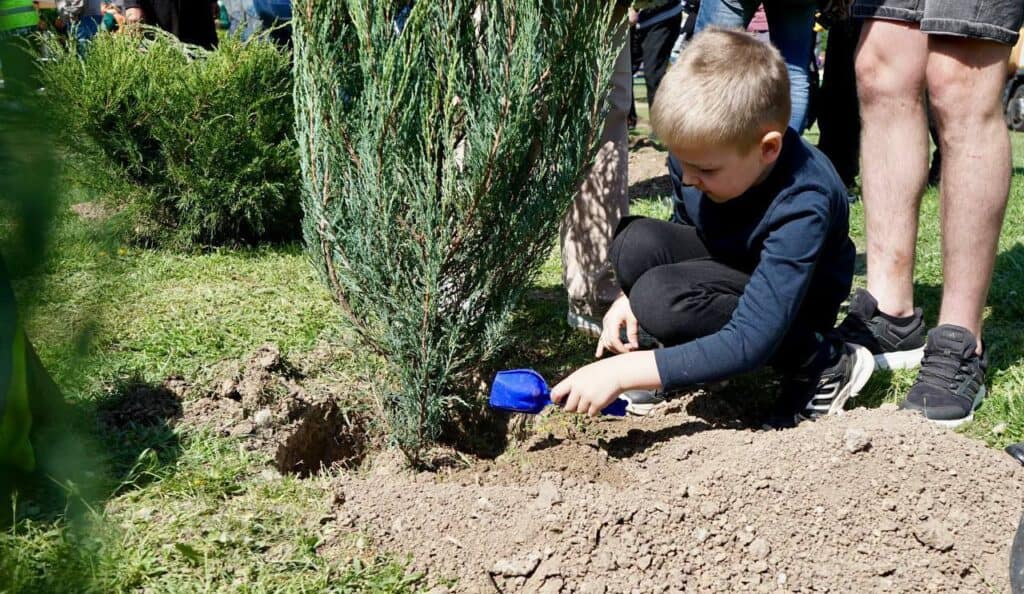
<point x="516" y="567"/>
<point x="759" y="548"/>
<point x="856" y="440"/>
<point x="935" y="535"/>
<point x="263" y="417"/>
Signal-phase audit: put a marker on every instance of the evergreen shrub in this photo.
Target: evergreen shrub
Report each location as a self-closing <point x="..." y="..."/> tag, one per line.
<point x="437" y="162"/>
<point x="194" y="147"/>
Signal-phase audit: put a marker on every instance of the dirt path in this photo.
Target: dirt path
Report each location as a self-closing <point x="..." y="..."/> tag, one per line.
<point x="873" y="501"/>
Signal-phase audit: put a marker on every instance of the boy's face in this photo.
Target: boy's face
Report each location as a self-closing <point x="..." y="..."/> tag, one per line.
<point x="723" y="173"/>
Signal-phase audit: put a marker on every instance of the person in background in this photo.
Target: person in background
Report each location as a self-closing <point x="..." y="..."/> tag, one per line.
<point x="18" y="21"/>
<point x="600" y="203"/>
<point x="191" y="21"/>
<point x="791" y="30"/>
<point x="655" y="27"/>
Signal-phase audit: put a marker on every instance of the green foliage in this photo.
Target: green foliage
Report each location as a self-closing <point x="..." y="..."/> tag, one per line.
<point x="192" y="147"/>
<point x="437" y="163"/>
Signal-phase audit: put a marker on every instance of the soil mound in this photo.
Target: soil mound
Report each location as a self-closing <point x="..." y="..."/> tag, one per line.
<point x="873" y="501"/>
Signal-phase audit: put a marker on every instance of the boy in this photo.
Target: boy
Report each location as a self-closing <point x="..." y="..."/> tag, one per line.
<point x="757" y="270"/>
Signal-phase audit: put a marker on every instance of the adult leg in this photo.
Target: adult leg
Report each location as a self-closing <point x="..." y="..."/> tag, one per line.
<point x="965" y="81"/>
<point x="724" y="13"/>
<point x="636" y="58"/>
<point x="894" y="146"/>
<point x="601" y="202"/>
<point x="791" y="29"/>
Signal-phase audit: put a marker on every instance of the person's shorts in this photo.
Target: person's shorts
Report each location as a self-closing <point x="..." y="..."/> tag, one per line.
<point x="994" y="20"/>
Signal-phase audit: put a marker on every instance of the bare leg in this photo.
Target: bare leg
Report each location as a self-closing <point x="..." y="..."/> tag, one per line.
<point x="894" y="151"/>
<point x="965" y="82"/>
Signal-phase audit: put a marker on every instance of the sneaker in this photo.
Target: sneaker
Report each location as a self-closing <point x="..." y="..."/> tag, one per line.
<point x="642" y="402"/>
<point x="593" y="326"/>
<point x="584" y="323"/>
<point x="1017" y="451"/>
<point x="894" y="345"/>
<point x="816" y="393"/>
<point x="951" y="383"/>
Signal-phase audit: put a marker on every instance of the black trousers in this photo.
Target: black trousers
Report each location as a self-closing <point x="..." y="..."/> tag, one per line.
<point x="652" y="47"/>
<point x="191" y="21"/>
<point x="679" y="293"/>
<point x="839" y="112"/>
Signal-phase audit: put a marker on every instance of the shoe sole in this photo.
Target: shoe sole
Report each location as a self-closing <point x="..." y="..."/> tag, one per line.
<point x="863" y="367"/>
<point x="643" y="410"/>
<point x="954" y="423"/>
<point x="900" y="359"/>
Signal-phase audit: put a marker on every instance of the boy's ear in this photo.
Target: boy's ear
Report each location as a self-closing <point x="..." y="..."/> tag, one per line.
<point x="771" y="146"/>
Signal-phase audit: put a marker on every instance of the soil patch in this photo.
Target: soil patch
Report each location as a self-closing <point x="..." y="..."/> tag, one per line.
<point x="90" y="211"/>
<point x="873" y="501"/>
<point x="648" y="173"/>
<point x="275" y="408"/>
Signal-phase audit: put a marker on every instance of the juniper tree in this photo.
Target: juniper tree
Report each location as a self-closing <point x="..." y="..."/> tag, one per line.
<point x="438" y="159"/>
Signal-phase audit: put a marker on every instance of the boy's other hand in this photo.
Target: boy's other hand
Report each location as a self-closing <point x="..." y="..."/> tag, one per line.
<point x="619" y="314"/>
<point x="589" y="389"/>
<point x="133" y="15"/>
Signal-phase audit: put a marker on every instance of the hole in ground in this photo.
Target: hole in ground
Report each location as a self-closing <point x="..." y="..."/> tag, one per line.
<point x="323" y="437"/>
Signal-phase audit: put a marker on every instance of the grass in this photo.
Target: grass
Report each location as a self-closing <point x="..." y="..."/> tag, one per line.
<point x="184" y="511"/>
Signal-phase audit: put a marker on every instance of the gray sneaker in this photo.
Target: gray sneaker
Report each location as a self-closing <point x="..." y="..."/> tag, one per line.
<point x="584" y="323"/>
<point x="642" y="402"/>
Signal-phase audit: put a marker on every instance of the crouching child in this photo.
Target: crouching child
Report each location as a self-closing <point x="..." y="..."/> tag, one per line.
<point x="753" y="267"/>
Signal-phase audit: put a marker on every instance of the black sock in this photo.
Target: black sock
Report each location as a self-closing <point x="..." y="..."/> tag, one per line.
<point x="905" y="321"/>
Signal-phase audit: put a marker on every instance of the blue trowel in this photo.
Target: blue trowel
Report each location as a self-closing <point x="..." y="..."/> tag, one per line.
<point x="525" y="391"/>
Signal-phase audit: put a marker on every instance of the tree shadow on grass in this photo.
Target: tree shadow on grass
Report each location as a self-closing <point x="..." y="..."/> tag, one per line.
<point x="87" y="453"/>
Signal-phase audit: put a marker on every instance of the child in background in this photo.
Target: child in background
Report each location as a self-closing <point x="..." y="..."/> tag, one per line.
<point x="757" y="271"/>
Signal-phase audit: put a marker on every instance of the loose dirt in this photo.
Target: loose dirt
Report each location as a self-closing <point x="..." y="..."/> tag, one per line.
<point x="278" y="410"/>
<point x="872" y="501"/>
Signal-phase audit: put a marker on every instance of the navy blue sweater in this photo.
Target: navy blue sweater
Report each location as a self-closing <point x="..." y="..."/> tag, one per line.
<point x="791" y="234"/>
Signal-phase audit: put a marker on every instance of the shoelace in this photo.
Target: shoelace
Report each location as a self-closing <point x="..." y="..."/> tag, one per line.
<point x="940" y="369"/>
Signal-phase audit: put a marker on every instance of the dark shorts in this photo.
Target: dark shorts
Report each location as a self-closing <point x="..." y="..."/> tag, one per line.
<point x="994" y="20"/>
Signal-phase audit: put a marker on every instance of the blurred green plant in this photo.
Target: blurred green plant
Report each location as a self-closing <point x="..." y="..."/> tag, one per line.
<point x="437" y="161"/>
<point x="189" y="147"/>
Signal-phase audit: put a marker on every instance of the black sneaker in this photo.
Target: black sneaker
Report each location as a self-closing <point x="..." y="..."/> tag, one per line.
<point x="814" y="393"/>
<point x="951" y="383"/>
<point x="895" y="346"/>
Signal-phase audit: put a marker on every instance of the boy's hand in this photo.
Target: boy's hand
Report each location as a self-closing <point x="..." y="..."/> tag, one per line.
<point x="589" y="389"/>
<point x="133" y="15"/>
<point x="619" y="314"/>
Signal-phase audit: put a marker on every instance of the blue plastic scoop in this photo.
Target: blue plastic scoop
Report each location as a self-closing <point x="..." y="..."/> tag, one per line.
<point x="525" y="391"/>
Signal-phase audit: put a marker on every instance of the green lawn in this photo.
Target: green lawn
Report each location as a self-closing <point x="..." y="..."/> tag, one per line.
<point x="184" y="511"/>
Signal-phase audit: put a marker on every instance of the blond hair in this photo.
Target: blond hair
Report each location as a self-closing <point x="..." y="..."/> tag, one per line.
<point x="727" y="89"/>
